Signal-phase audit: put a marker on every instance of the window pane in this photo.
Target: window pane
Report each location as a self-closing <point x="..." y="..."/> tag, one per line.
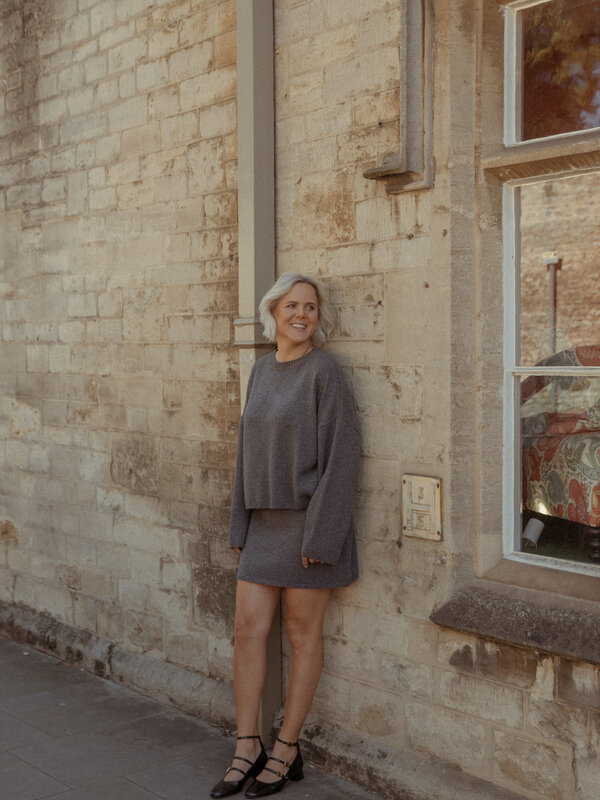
<point x="561" y="68"/>
<point x="560" y="460"/>
<point x="560" y="303"/>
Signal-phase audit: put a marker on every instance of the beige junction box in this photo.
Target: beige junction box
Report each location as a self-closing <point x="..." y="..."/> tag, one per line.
<point x="421" y="507"/>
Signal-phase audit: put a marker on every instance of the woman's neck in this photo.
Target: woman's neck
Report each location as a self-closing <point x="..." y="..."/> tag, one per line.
<point x="287" y="352"/>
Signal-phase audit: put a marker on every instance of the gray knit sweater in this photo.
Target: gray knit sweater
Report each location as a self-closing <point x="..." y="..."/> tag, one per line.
<point x="298" y="448"/>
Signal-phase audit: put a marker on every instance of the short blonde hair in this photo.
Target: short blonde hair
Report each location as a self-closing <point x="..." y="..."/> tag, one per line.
<point x="281" y="287"/>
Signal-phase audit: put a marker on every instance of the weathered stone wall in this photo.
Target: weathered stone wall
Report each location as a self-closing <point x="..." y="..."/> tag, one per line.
<point x="119" y="388"/>
<point x="119" y="395"/>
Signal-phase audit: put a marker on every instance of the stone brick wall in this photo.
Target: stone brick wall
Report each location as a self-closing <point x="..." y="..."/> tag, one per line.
<point x="119" y="390"/>
<point x="119" y="383"/>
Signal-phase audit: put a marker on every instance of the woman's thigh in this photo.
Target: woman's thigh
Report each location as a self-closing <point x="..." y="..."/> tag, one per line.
<point x="305" y="612"/>
<point x="255" y="606"/>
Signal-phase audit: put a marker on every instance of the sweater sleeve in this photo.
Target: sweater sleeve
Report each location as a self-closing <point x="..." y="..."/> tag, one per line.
<point x="329" y="513"/>
<point x="240" y="515"/>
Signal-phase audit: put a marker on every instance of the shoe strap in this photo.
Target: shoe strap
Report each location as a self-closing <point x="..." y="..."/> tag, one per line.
<point x="241" y="758"/>
<point x="280" y="761"/>
<point x="275" y="772"/>
<point x="289" y="744"/>
<point x="247" y="737"/>
<point x="235" y="769"/>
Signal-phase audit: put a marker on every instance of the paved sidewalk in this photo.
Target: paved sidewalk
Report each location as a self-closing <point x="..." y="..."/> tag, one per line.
<point x="69" y="735"/>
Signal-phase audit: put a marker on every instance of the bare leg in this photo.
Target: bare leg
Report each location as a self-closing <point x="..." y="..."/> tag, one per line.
<point x="254" y="609"/>
<point x="305" y="612"/>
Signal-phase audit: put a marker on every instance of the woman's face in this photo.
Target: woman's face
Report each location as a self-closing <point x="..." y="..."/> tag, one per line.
<point x="296" y="314"/>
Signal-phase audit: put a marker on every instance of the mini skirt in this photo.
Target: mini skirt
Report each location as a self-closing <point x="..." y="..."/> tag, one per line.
<point x="272" y="554"/>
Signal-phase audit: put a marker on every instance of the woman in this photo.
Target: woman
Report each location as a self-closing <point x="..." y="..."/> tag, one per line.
<point x="291" y="521"/>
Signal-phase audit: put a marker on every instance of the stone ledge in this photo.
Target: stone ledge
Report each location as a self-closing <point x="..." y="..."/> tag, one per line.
<point x="192" y="692"/>
<point x="392" y="772"/>
<point x="525" y="618"/>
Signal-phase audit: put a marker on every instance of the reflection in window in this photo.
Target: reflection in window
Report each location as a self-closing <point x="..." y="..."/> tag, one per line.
<point x="560" y="301"/>
<point x="560" y="67"/>
<point x="560" y="437"/>
<point x="559" y="287"/>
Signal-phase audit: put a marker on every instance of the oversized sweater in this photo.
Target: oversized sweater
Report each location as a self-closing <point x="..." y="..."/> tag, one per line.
<point x="298" y="448"/>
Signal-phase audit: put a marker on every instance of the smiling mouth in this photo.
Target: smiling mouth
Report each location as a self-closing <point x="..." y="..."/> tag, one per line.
<point x="298" y="325"/>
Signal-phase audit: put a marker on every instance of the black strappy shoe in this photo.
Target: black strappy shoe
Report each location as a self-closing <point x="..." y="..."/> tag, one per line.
<point x="224" y="788"/>
<point x="295" y="773"/>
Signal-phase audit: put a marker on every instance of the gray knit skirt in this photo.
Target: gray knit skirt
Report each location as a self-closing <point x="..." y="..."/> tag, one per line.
<point x="272" y="554"/>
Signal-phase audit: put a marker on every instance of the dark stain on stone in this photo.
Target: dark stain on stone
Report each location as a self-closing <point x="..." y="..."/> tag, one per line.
<point x="9" y="533"/>
<point x="214" y="594"/>
<point x="134" y="463"/>
<point x="463" y="658"/>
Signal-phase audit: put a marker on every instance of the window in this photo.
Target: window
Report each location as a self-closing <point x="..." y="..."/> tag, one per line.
<point x="554" y="58"/>
<point x="552" y="284"/>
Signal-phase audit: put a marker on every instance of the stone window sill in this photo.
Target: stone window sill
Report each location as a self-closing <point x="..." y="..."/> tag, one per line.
<point x="526" y="618"/>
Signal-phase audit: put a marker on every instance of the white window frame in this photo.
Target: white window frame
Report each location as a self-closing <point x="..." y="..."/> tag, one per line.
<point x="513" y="38"/>
<point x="513" y="371"/>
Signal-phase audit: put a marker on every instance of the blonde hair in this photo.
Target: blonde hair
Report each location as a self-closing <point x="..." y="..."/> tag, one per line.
<point x="281" y="287"/>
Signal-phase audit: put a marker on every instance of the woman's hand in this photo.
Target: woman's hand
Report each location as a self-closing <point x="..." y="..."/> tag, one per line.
<point x="306" y="562"/>
<point x="238" y="550"/>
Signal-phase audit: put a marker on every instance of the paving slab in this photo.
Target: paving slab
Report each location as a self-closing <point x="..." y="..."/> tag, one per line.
<point x="70" y="735"/>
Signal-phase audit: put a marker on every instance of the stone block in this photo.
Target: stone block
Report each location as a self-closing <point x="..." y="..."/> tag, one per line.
<point x="208" y="23"/>
<point x="133" y="463"/>
<point x="406" y="677"/>
<point x="579" y="684"/>
<point x="110" y="621"/>
<point x="366" y="74"/>
<point x="386" y="633"/>
<point x="484" y="699"/>
<point x="225" y="49"/>
<point x="107" y="93"/>
<point x="536" y="768"/>
<point x="126" y="9"/>
<point x="190" y="650"/>
<point x="152" y="74"/>
<point x="205" y="160"/>
<point x="80" y="101"/>
<point x="144" y="631"/>
<point x="214" y="596"/>
<point x="299" y="22"/>
<point x="102" y="17"/>
<point x="164" y="41"/>
<point x="100" y="199"/>
<point x="191" y="61"/>
<point x="87" y="126"/>
<point x="95" y="68"/>
<point x="146" y="537"/>
<point x="128" y="114"/>
<point x="461" y="742"/>
<point x="347" y="659"/>
<point x="217" y="120"/>
<point x="220" y="209"/>
<point x="175" y="575"/>
<point x="74" y="30"/>
<point x="111" y="37"/>
<point x="220" y="655"/>
<point x="333" y="699"/>
<point x="37" y="358"/>
<point x="127" y="85"/>
<point x="208" y="88"/>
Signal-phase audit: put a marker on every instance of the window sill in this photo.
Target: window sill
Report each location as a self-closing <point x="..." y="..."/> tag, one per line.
<point x="577" y="151"/>
<point x="526" y="618"/>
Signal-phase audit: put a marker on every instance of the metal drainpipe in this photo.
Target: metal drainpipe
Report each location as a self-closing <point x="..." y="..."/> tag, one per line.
<point x="256" y="237"/>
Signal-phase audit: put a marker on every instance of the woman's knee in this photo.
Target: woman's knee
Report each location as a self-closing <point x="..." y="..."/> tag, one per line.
<point x="249" y="626"/>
